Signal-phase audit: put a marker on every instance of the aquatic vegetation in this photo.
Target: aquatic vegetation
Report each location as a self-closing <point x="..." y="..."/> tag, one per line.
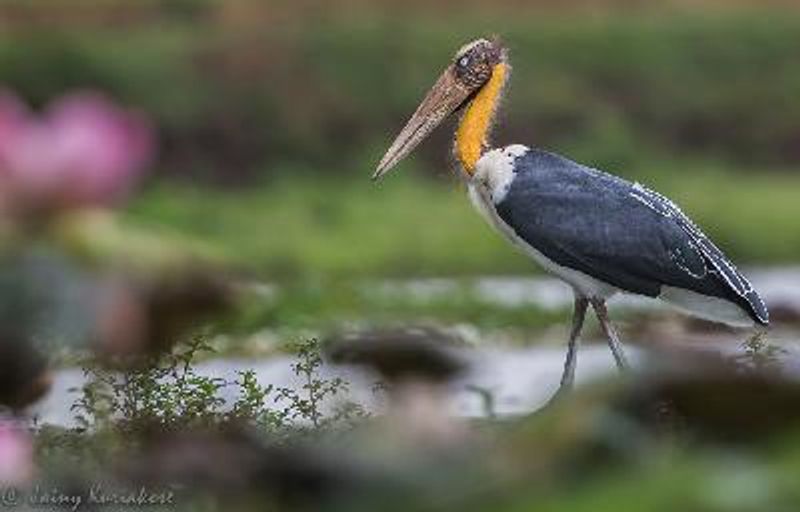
<point x="167" y="394"/>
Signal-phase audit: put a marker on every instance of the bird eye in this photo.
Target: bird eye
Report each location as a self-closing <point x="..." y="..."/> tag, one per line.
<point x="463" y="61"/>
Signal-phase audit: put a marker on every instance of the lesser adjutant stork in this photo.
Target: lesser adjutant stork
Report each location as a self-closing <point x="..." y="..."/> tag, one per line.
<point x="599" y="233"/>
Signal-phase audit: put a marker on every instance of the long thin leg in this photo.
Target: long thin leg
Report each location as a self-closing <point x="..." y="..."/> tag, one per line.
<point x="614" y="344"/>
<point x="578" y="316"/>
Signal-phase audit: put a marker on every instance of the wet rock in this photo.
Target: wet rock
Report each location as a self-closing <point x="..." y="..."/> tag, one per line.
<point x="237" y="463"/>
<point x="24" y="375"/>
<point x="425" y="354"/>
<point x="719" y="398"/>
<point x="139" y="318"/>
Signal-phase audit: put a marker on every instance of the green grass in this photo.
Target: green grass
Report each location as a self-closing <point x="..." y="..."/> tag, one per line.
<point x="326" y="228"/>
<point x="753" y="217"/>
<point x="325" y="306"/>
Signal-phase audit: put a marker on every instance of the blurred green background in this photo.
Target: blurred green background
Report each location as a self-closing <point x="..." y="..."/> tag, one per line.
<point x="273" y="114"/>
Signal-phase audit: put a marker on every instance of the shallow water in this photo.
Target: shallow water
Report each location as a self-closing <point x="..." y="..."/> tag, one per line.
<point x="519" y="379"/>
<point x="779" y="285"/>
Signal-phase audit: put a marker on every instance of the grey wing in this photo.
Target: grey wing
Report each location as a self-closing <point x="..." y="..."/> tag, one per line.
<point x="617" y="232"/>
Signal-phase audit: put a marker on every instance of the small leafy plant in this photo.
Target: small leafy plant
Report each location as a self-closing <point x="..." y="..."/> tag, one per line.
<point x="760" y="355"/>
<point x="169" y="395"/>
<point x="306" y="405"/>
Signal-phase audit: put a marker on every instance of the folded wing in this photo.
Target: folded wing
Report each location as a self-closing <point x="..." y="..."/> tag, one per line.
<point x="618" y="232"/>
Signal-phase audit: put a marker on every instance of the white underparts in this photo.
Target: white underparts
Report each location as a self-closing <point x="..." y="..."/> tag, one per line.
<point x="709" y="308"/>
<point x="495" y="170"/>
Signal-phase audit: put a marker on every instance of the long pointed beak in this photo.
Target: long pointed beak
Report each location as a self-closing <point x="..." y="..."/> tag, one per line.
<point x="442" y="100"/>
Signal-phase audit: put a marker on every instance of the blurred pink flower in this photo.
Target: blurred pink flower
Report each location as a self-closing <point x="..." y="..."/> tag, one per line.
<point x="82" y="151"/>
<point x="16" y="454"/>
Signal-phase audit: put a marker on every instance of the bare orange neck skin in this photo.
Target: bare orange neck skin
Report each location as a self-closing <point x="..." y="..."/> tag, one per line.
<point x="472" y="135"/>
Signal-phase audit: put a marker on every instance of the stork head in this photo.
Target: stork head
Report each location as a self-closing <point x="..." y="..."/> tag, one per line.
<point x="470" y="70"/>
